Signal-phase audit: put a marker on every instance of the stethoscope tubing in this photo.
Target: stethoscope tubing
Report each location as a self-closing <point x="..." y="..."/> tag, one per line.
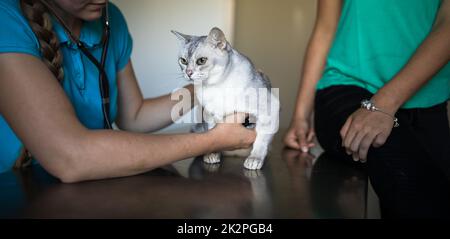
<point x="103" y="77"/>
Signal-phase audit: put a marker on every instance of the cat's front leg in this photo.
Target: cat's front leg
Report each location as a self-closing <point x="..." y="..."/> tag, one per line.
<point x="211" y="158"/>
<point x="266" y="127"/>
<point x="259" y="152"/>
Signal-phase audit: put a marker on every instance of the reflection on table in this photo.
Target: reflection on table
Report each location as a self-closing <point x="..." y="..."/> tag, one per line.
<point x="290" y="185"/>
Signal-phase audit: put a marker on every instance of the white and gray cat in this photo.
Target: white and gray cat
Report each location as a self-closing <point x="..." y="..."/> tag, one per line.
<point x="226" y="82"/>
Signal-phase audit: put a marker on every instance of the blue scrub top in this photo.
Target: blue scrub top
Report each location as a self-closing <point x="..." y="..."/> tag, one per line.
<point x="80" y="74"/>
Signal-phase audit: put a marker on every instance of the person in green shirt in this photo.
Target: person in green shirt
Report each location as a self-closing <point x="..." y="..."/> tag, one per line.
<point x="377" y="76"/>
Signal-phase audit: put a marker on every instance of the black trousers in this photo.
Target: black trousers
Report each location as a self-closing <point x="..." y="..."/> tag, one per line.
<point x="411" y="172"/>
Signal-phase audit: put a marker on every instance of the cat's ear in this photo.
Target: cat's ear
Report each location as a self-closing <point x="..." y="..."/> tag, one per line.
<point x="217" y="38"/>
<point x="182" y="37"/>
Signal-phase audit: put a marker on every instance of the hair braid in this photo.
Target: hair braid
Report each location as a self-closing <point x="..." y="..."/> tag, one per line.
<point x="41" y="24"/>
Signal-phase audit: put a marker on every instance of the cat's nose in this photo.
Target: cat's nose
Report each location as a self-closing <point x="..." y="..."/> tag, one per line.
<point x="189" y="73"/>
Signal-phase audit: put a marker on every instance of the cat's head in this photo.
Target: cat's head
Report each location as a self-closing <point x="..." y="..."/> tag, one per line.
<point x="202" y="57"/>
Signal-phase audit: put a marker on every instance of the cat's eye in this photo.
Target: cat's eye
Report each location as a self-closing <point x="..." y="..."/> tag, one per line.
<point x="183" y="61"/>
<point x="201" y="61"/>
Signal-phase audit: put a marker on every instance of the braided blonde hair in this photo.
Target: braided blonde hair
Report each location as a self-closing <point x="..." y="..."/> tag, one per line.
<point x="39" y="18"/>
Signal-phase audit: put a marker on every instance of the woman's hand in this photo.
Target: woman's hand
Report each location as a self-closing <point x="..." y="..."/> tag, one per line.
<point x="364" y="129"/>
<point x="232" y="134"/>
<point x="300" y="135"/>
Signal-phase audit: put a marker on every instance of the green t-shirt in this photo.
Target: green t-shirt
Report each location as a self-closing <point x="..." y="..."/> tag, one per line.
<point x="374" y="41"/>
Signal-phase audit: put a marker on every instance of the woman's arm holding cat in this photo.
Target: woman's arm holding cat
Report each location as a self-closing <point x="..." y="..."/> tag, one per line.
<point x="301" y="133"/>
<point x="143" y="115"/>
<point x="39" y="112"/>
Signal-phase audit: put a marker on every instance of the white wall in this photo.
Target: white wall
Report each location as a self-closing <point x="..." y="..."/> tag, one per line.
<point x="155" y="48"/>
<point x="274" y="34"/>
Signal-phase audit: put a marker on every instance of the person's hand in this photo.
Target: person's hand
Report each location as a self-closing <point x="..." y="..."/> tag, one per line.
<point x="231" y="134"/>
<point x="297" y="161"/>
<point x="300" y="135"/>
<point x="364" y="129"/>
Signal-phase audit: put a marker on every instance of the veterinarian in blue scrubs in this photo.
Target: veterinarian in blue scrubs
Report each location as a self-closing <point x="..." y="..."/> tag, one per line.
<point x="51" y="103"/>
<point x="84" y="94"/>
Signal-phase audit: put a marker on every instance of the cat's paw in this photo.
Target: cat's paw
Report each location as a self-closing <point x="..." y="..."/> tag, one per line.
<point x="253" y="174"/>
<point x="253" y="163"/>
<point x="211" y="168"/>
<point x="211" y="158"/>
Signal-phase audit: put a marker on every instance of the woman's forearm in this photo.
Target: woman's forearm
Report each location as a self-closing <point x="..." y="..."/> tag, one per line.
<point x="429" y="58"/>
<point x="144" y="115"/>
<point x="107" y="154"/>
<point x="88" y="155"/>
<point x="156" y="113"/>
<point x="328" y="14"/>
<point x="159" y="110"/>
<point x="313" y="66"/>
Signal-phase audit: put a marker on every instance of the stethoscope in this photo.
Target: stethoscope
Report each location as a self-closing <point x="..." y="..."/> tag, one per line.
<point x="103" y="78"/>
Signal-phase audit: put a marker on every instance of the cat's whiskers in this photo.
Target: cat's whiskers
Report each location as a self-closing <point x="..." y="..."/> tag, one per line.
<point x="181" y="75"/>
